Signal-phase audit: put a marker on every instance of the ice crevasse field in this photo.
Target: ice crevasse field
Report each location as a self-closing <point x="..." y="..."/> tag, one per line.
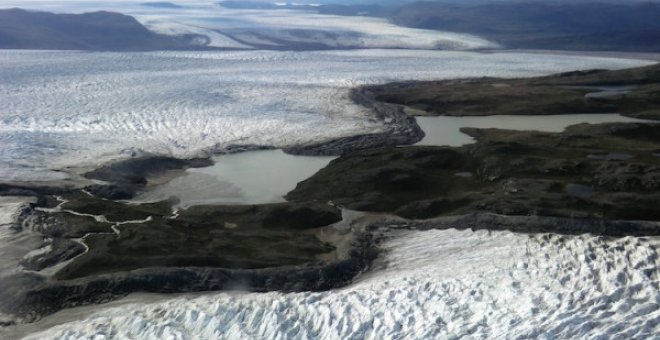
<point x="74" y="109"/>
<point x="64" y="111"/>
<point x="432" y="284"/>
<point x="90" y="106"/>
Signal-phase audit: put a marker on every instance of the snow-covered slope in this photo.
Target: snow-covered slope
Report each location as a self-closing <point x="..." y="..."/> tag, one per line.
<point x="288" y="29"/>
<point x="297" y="28"/>
<point x="61" y="109"/>
<point x="433" y="284"/>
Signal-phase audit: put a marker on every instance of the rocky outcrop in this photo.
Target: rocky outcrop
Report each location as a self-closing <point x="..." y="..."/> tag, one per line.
<point x="29" y="297"/>
<point x="511" y="173"/>
<point x="399" y="129"/>
<point x="99" y="250"/>
<point x="97" y="31"/>
<point x="530" y="225"/>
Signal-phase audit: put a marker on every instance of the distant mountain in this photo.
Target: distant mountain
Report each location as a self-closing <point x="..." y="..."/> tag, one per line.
<point x="616" y="25"/>
<point x="571" y="26"/>
<point x="237" y="4"/>
<point x="253" y="4"/>
<point x="453" y="2"/>
<point x="107" y="31"/>
<point x="334" y="9"/>
<point x="160" y="4"/>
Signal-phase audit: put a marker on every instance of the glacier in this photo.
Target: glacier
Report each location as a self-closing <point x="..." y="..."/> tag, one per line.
<point x="428" y="284"/>
<point x="268" y="29"/>
<point x="63" y="112"/>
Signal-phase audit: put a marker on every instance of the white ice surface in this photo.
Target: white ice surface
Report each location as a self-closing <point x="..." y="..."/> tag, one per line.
<point x="60" y="109"/>
<point x="63" y="109"/>
<point x="436" y="284"/>
<point x="263" y="28"/>
<point x="216" y="39"/>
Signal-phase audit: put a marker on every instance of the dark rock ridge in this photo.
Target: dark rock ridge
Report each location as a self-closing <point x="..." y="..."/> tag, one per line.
<point x="122" y="237"/>
<point x="9" y="189"/>
<point x="127" y="176"/>
<point x="564" y="93"/>
<point x="514" y="173"/>
<point x="399" y="130"/>
<point x="572" y="182"/>
<point x="98" y="31"/>
<point x="511" y="172"/>
<point x="529" y="225"/>
<point x="210" y="236"/>
<point x="30" y="296"/>
<point x="124" y="178"/>
<point x="114" y="249"/>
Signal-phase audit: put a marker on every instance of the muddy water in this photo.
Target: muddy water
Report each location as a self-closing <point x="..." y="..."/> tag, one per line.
<point x="445" y="130"/>
<point x="254" y="177"/>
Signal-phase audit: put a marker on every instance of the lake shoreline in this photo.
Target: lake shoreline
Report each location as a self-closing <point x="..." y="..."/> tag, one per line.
<point x="388" y="178"/>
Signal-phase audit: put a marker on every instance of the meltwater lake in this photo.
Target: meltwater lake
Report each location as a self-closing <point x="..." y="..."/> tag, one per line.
<point x="98" y="107"/>
<point x="265" y="176"/>
<point x="95" y="108"/>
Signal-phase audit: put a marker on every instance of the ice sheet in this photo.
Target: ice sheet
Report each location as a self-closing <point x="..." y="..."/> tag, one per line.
<point x="64" y="109"/>
<point x="437" y="284"/>
<point x="246" y="29"/>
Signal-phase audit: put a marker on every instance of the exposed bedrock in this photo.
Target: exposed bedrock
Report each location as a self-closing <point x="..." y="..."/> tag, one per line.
<point x="122" y="237"/>
<point x="7" y="189"/>
<point x="504" y="172"/>
<point x="228" y="237"/>
<point x="399" y="130"/>
<point x="29" y="296"/>
<point x="96" y="250"/>
<point x="125" y="177"/>
<point x="118" y="180"/>
<point x="601" y="179"/>
<point x="632" y="92"/>
<point x="530" y="225"/>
